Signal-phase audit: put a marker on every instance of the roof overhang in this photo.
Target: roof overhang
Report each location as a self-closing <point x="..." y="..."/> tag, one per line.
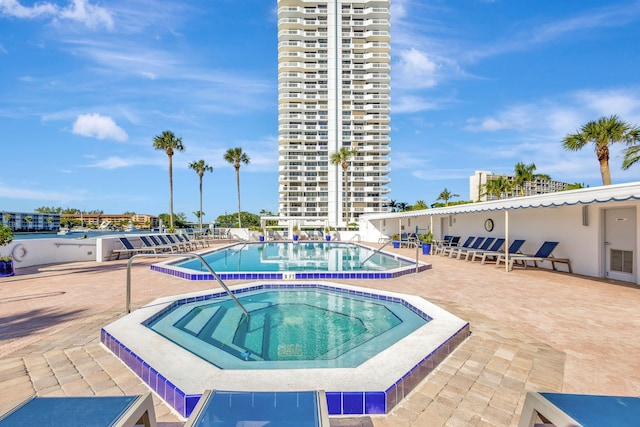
<point x="583" y="196"/>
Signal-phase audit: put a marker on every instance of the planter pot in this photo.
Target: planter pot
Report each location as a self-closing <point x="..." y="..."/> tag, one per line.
<point x="6" y="268"/>
<point x="327" y="237"/>
<point x="426" y="248"/>
<point x="295" y="238"/>
<point x="262" y="238"/>
<point x="396" y="244"/>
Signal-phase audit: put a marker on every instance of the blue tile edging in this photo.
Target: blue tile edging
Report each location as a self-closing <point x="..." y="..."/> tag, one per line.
<point x="339" y="403"/>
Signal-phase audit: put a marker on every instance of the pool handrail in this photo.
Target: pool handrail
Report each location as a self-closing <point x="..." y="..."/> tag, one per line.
<point x="184" y="255"/>
<point x="375" y="252"/>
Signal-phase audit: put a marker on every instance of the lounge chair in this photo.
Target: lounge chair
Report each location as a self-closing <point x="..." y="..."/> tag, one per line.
<point x="163" y="243"/>
<point x="479" y="244"/>
<point x="121" y="411"/>
<point x="514" y="247"/>
<point x="495" y="247"/>
<point x="447" y="249"/>
<point x="129" y="249"/>
<point x="475" y="245"/>
<point x="196" y="242"/>
<point x="283" y="408"/>
<point x="559" y="409"/>
<point x="173" y="239"/>
<point x="543" y="254"/>
<point x="446" y="242"/>
<point x="156" y="247"/>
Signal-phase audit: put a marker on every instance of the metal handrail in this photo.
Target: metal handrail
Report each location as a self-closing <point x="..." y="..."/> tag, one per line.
<point x="187" y="255"/>
<point x="375" y="252"/>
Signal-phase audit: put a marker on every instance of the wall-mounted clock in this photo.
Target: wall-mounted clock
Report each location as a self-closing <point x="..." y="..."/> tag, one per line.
<point x="488" y="225"/>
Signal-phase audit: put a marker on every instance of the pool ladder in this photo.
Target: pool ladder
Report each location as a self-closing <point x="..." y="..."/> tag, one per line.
<point x="182" y="255"/>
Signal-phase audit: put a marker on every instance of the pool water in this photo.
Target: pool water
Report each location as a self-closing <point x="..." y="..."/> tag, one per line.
<point x="302" y="328"/>
<point x="296" y="256"/>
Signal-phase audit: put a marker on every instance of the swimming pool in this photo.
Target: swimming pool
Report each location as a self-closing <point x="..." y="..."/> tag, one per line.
<point x="374" y="386"/>
<point x="294" y="260"/>
<point x="288" y="328"/>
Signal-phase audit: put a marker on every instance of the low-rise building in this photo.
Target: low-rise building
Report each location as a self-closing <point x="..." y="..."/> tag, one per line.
<point x="30" y="221"/>
<point x="479" y="179"/>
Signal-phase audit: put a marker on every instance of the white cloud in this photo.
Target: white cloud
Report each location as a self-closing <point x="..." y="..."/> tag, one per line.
<point x="97" y="126"/>
<point x="82" y="11"/>
<point x="90" y="15"/>
<point x="115" y="162"/>
<point x="415" y="69"/>
<point x="411" y="104"/>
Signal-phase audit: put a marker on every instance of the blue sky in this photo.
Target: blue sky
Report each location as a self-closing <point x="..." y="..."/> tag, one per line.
<point x="85" y="85"/>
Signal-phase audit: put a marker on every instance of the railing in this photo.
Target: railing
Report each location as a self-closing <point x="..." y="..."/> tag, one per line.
<point x="354" y="236"/>
<point x="375" y="252"/>
<point x="183" y="255"/>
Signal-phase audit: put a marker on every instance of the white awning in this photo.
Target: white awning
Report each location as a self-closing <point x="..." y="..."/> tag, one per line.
<point x="583" y="196"/>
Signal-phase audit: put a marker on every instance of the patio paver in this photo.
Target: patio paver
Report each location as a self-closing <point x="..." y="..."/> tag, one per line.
<point x="532" y="330"/>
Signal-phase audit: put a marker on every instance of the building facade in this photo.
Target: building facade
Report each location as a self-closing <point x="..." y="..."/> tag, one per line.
<point x="30" y="221"/>
<point x="478" y="181"/>
<point x="333" y="92"/>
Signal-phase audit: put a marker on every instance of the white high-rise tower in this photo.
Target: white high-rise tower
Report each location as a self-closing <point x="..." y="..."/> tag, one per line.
<point x="333" y="92"/>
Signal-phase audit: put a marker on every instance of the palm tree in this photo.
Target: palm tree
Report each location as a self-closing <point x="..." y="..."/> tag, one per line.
<point x="498" y="187"/>
<point x="403" y="206"/>
<point x="631" y="154"/>
<point x="341" y="157"/>
<point x="200" y="166"/>
<point x="235" y="156"/>
<point x="445" y="195"/>
<point x="602" y="133"/>
<point x="391" y="205"/>
<point x="523" y="173"/>
<point x="168" y="142"/>
<point x="419" y="205"/>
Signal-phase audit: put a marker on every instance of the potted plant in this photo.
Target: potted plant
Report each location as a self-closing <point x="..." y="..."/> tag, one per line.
<point x="427" y="240"/>
<point x="6" y="262"/>
<point x="327" y="235"/>
<point x="396" y="240"/>
<point x="296" y="232"/>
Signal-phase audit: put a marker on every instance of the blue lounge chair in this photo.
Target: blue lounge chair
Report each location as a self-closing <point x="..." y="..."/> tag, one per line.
<point x="129" y="249"/>
<point x="514" y="248"/>
<point x="155" y="247"/>
<point x="543" y="254"/>
<point x="121" y="411"/>
<point x="283" y="408"/>
<point x="495" y="247"/>
<point x="580" y="410"/>
<point x="446" y="242"/>
<point x="447" y="249"/>
<point x="477" y="244"/>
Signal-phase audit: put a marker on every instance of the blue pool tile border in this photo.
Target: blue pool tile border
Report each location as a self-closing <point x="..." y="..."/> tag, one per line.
<point x="307" y="275"/>
<point x="368" y="402"/>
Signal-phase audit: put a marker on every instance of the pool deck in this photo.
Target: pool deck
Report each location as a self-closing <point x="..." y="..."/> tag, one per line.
<point x="532" y="330"/>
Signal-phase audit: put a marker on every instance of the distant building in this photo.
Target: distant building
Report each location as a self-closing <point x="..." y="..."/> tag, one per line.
<point x="143" y="221"/>
<point x="478" y="181"/>
<point x="30" y="221"/>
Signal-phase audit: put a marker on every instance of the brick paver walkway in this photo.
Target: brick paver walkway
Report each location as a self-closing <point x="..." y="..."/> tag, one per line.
<point x="532" y="330"/>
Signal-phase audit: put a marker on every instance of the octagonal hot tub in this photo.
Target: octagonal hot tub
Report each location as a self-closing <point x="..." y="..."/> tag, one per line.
<point x="367" y="349"/>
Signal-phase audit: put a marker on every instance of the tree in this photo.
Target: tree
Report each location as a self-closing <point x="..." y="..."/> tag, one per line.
<point x="445" y="195"/>
<point x="498" y="187"/>
<point x="523" y="173"/>
<point x="341" y="157"/>
<point x="419" y="205"/>
<point x="403" y="206"/>
<point x="236" y="156"/>
<point x="168" y="142"/>
<point x="632" y="153"/>
<point x="602" y="133"/>
<point x="200" y="166"/>
<point x="392" y="205"/>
